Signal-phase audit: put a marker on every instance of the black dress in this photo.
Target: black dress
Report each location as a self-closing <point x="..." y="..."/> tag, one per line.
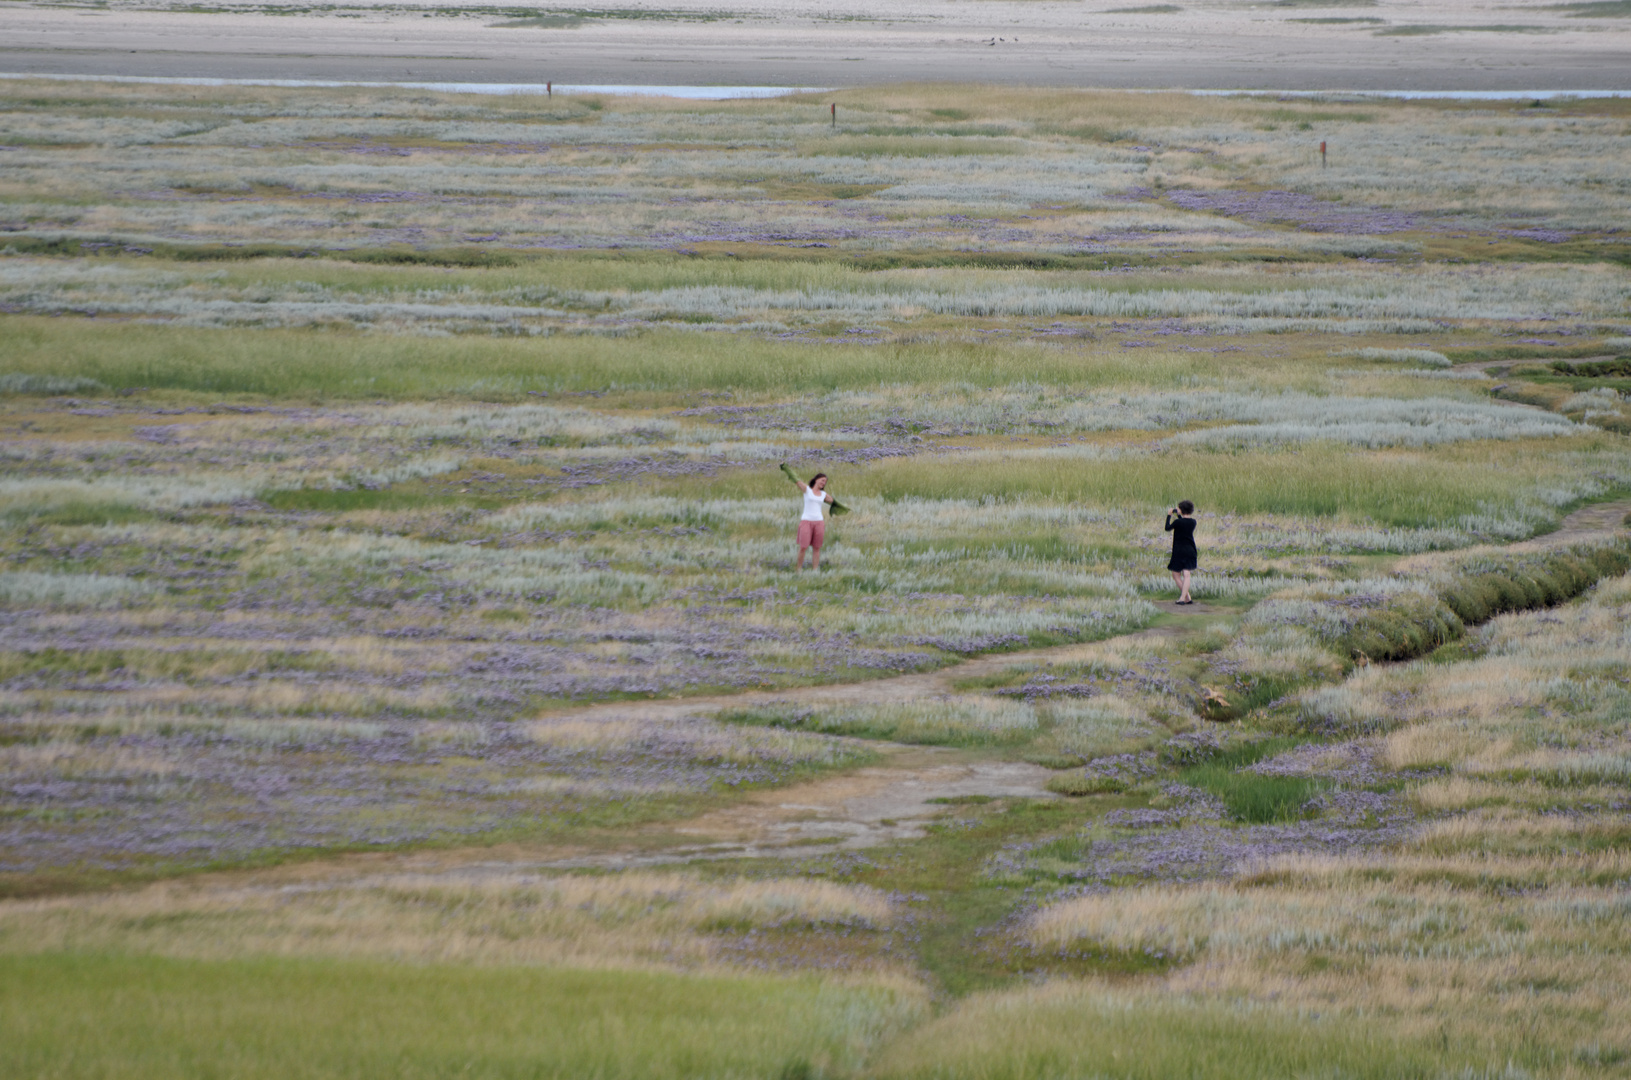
<point x="1184" y="555"/>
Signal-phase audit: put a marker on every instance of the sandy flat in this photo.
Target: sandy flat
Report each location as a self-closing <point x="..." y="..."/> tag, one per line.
<point x="847" y="43"/>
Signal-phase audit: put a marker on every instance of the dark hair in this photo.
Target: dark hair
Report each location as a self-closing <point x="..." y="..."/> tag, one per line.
<point x="1186" y="507"/>
<point x="817" y="476"/>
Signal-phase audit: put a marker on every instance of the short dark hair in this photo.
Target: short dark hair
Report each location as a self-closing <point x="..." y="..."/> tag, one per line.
<point x="817" y="476"/>
<point x="1185" y="506"/>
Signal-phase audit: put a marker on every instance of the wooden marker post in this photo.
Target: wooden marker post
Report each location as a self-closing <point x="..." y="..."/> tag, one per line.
<point x="835" y="114"/>
<point x="1322" y="153"/>
<point x="549" y="88"/>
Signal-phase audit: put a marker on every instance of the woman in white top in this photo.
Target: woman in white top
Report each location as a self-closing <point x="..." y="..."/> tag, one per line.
<point x="813" y="524"/>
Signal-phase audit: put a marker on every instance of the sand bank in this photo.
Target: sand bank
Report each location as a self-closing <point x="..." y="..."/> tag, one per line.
<point x="1295" y="45"/>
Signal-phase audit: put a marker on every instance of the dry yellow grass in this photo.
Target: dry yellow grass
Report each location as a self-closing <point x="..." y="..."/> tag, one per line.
<point x="1490" y="922"/>
<point x="1465" y="946"/>
<point x="630" y="919"/>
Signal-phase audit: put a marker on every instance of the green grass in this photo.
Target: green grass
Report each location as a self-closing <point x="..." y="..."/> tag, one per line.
<point x="1009" y="677"/>
<point x="1471" y="354"/>
<point x="1391" y="487"/>
<point x="1248" y="693"/>
<point x="947" y="869"/>
<point x="1412" y="625"/>
<point x="1525" y="583"/>
<point x="1076" y="785"/>
<point x="78" y="513"/>
<point x="132" y="1017"/>
<point x="1256" y="799"/>
<point x="1250" y="797"/>
<point x="1579" y="383"/>
<point x="315" y="365"/>
<point x="1243" y="753"/>
<point x="1618" y="368"/>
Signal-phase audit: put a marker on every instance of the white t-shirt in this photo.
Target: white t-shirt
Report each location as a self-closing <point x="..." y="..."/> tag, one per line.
<point x="813" y="501"/>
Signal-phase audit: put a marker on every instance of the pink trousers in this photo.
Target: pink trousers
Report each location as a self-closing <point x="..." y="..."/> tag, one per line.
<point x="812" y="534"/>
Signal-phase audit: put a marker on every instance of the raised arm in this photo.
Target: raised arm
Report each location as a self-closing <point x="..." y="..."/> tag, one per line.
<point x="1169" y="526"/>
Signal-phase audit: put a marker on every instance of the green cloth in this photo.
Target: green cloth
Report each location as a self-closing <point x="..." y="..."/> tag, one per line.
<point x="837" y="507"/>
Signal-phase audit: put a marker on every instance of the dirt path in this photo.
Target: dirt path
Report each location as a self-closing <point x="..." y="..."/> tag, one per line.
<point x="1600" y="521"/>
<point x="1589" y="524"/>
<point x="892" y="801"/>
<point x="895" y="799"/>
<point x="860" y="809"/>
<point x="898" y="798"/>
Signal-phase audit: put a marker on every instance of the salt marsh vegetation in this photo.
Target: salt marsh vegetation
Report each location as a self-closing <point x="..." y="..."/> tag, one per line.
<point x="396" y="588"/>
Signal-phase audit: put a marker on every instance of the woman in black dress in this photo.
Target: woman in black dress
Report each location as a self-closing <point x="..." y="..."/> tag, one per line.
<point x="1184" y="556"/>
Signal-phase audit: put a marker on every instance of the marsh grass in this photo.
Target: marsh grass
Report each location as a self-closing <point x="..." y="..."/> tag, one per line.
<point x="326" y="553"/>
<point x="546" y="299"/>
<point x="1070" y="1028"/>
<point x="1388" y="487"/>
<point x="300" y="365"/>
<point x="161" y="1017"/>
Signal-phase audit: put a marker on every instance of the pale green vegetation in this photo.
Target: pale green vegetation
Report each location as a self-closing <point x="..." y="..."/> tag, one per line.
<point x="297" y="1018"/>
<point x="354" y="444"/>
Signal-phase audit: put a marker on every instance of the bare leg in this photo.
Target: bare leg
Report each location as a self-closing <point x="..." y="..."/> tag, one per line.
<point x="1185" y="583"/>
<point x="799" y="563"/>
<point x="815" y="559"/>
<point x="1178" y="580"/>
